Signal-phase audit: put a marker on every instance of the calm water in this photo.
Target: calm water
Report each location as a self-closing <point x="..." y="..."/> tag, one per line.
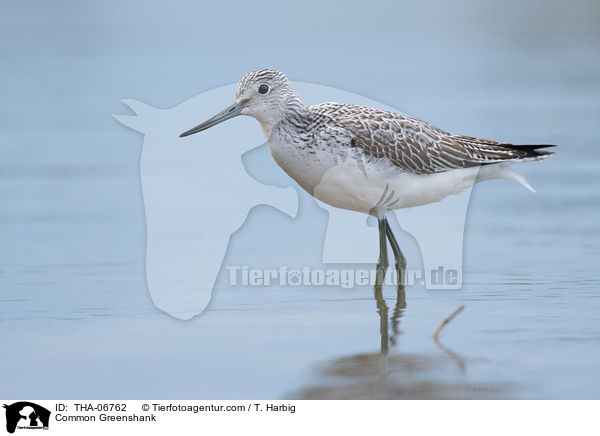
<point x="77" y="320"/>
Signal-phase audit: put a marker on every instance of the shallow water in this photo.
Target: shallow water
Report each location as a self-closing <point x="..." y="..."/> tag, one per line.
<point x="77" y="320"/>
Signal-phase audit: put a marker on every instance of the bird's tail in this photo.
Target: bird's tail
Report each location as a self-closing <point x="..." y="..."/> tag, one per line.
<point x="531" y="151"/>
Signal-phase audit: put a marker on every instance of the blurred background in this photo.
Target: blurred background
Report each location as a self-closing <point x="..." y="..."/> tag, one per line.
<point x="73" y="298"/>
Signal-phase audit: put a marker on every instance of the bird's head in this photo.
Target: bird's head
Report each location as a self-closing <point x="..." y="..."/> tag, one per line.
<point x="263" y="94"/>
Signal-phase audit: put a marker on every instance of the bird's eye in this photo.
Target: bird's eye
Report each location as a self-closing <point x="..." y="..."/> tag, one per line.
<point x="263" y="89"/>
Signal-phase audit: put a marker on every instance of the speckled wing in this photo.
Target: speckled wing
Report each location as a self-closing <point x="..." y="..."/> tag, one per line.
<point x="415" y="146"/>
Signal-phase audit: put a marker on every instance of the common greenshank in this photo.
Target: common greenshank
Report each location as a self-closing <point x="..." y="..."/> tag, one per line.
<point x="365" y="159"/>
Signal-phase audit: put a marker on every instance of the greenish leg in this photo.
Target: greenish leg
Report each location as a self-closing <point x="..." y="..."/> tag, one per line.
<point x="400" y="259"/>
<point x="383" y="263"/>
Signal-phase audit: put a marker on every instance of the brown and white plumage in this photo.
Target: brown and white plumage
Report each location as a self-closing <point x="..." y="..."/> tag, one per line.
<point x="414" y="145"/>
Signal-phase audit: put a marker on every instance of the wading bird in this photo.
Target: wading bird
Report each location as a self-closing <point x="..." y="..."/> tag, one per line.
<point x="365" y="159"/>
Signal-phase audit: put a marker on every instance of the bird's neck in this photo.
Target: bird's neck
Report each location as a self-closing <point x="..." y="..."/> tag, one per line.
<point x="292" y="109"/>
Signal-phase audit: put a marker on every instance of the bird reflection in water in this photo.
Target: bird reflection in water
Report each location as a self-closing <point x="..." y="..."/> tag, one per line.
<point x="387" y="375"/>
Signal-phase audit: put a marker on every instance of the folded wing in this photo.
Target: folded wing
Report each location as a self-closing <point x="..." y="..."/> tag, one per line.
<point x="416" y="146"/>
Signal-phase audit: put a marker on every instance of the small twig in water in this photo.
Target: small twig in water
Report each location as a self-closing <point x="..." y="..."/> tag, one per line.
<point x="446" y="321"/>
<point x="449" y="352"/>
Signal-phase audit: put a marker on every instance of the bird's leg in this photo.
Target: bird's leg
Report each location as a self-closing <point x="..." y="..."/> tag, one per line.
<point x="401" y="292"/>
<point x="382" y="264"/>
<point x="400" y="259"/>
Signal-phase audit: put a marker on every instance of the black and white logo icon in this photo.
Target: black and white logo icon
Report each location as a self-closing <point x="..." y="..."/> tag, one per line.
<point x="26" y="415"/>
